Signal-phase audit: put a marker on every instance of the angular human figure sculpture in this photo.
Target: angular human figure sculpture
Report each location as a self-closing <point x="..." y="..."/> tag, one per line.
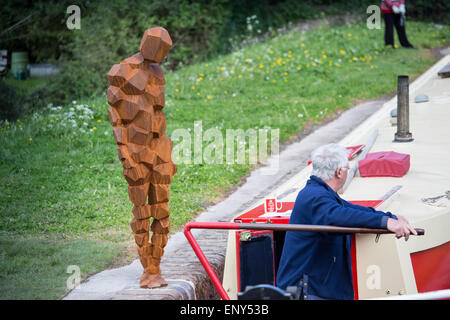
<point x="136" y="96"/>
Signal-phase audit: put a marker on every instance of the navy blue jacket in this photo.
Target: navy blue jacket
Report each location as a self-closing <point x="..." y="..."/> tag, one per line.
<point x="324" y="257"/>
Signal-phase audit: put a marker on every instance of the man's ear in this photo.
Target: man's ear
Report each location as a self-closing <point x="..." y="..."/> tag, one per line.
<point x="337" y="173"/>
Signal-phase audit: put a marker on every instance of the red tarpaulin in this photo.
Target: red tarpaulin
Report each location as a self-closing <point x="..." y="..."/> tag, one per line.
<point x="384" y="164"/>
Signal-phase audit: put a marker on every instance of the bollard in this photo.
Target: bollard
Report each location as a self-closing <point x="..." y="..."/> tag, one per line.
<point x="403" y="134"/>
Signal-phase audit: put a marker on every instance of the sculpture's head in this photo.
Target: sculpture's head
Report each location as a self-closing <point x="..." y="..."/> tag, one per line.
<point x="155" y="44"/>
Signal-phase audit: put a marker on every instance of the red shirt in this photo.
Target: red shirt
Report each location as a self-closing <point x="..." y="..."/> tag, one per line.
<point x="386" y="5"/>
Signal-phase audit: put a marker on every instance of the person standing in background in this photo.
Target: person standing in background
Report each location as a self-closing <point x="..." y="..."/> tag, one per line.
<point x="394" y="15"/>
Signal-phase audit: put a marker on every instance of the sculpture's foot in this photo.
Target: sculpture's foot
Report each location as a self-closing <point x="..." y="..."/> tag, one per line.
<point x="152" y="280"/>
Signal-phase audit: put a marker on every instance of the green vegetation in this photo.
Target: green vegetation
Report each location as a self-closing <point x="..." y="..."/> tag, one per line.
<point x="64" y="196"/>
<point x="38" y="269"/>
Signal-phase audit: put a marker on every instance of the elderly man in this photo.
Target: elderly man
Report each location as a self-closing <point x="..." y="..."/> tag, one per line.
<point x="319" y="262"/>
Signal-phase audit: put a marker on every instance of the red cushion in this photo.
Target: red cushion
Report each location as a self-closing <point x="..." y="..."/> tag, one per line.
<point x="384" y="164"/>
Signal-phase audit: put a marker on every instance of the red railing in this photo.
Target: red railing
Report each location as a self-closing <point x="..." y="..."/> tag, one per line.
<point x="261" y="226"/>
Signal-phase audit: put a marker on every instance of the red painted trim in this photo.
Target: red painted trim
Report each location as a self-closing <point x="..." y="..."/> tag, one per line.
<point x="253" y="215"/>
<point x="432" y="268"/>
<point x="367" y="203"/>
<point x="238" y="260"/>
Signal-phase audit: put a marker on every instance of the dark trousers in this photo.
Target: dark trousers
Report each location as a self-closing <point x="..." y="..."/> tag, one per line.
<point x="391" y="20"/>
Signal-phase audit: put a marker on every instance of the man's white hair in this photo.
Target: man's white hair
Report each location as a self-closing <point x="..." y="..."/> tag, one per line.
<point x="327" y="159"/>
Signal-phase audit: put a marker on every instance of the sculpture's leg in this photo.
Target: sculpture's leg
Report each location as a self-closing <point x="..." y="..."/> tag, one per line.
<point x="152" y="277"/>
<point x="141" y="226"/>
<point x="159" y="207"/>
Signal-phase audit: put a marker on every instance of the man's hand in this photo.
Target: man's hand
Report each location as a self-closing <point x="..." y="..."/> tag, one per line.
<point x="400" y="227"/>
<point x="396" y="9"/>
<point x="402" y="9"/>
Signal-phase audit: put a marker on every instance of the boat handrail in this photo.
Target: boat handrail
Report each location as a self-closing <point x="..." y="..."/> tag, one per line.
<point x="261" y="226"/>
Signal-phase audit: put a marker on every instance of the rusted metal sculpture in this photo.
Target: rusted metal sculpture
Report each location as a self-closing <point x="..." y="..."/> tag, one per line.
<point x="136" y="96"/>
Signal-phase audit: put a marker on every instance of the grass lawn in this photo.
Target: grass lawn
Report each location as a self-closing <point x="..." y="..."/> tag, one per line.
<point x="64" y="200"/>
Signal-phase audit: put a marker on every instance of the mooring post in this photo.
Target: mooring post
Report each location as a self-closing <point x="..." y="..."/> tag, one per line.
<point x="403" y="134"/>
